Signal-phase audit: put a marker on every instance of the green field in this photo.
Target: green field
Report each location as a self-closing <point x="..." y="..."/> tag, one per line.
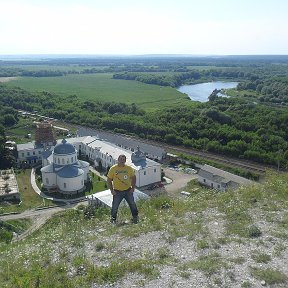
<point x="63" y="68"/>
<point x="103" y="87"/>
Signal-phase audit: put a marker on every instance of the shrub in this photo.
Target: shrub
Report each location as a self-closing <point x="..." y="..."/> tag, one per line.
<point x="254" y="232"/>
<point x="270" y="276"/>
<point x="5" y="236"/>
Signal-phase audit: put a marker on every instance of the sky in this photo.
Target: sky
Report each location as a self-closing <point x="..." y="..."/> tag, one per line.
<point x="140" y="27"/>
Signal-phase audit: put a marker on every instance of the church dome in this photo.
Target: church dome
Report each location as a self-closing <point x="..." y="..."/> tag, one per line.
<point x="138" y="155"/>
<point x="64" y="148"/>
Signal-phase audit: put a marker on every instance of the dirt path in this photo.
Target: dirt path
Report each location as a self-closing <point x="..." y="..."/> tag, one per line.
<point x="37" y="223"/>
<point x="178" y="179"/>
<point x="38" y="217"/>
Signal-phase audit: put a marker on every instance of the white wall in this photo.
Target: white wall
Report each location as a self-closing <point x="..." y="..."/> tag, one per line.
<point x="210" y="183"/>
<point x="148" y="176"/>
<point x="23" y="154"/>
<point x="86" y="171"/>
<point x="72" y="184"/>
<point x="64" y="159"/>
<point x="52" y="180"/>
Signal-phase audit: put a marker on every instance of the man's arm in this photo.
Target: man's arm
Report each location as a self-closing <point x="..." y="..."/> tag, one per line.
<point x="133" y="183"/>
<point x="110" y="186"/>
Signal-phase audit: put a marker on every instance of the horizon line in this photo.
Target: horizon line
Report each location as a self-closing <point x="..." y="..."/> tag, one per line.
<point x="134" y="55"/>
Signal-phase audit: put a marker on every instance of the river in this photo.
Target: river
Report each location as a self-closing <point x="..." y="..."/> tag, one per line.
<point x="201" y="92"/>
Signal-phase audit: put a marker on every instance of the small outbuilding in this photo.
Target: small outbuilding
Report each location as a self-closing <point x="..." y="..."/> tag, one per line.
<point x="220" y="179"/>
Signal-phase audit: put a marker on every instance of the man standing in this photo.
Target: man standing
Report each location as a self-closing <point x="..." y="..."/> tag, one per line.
<point x="121" y="181"/>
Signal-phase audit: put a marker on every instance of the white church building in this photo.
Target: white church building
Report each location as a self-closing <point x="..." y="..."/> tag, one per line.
<point x="64" y="172"/>
<point x="61" y="170"/>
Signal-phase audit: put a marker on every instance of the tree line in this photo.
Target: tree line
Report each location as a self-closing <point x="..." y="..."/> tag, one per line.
<point x="8" y="118"/>
<point x="228" y="126"/>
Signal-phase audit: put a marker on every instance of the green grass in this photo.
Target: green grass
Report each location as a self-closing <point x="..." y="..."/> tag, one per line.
<point x="202" y="244"/>
<point x="270" y="276"/>
<point x="18" y="132"/>
<point x="261" y="257"/>
<point x="83" y="250"/>
<point x="97" y="185"/>
<point x="209" y="264"/>
<point x="103" y="88"/>
<point x="7" y="228"/>
<point x="48" y="67"/>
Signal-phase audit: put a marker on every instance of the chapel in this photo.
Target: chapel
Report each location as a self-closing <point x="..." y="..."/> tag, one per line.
<point x="64" y="172"/>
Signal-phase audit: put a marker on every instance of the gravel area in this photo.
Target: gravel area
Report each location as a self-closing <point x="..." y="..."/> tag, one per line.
<point x="234" y="257"/>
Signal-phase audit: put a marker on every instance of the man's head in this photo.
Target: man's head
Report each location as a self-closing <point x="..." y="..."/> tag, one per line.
<point x="121" y="159"/>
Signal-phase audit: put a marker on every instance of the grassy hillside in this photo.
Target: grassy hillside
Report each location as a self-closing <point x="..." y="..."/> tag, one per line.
<point x="103" y="88"/>
<point x="210" y="239"/>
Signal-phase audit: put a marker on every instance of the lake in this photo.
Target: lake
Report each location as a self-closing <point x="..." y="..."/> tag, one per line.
<point x="201" y="92"/>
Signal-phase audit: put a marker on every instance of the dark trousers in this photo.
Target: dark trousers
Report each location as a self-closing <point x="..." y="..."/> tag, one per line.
<point x="117" y="199"/>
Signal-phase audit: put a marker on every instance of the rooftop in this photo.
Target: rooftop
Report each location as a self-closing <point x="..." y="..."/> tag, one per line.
<point x="106" y="197"/>
<point x="10" y="183"/>
<point x="223" y="176"/>
<point x="124" y="141"/>
<point x="64" y="148"/>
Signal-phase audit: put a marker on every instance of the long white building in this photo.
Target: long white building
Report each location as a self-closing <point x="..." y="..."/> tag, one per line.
<point x="106" y="154"/>
<point x="101" y="153"/>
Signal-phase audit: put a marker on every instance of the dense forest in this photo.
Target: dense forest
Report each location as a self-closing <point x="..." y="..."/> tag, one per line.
<point x="237" y="126"/>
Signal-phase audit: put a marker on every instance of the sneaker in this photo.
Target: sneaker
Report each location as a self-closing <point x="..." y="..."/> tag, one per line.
<point x="113" y="221"/>
<point x="135" y="220"/>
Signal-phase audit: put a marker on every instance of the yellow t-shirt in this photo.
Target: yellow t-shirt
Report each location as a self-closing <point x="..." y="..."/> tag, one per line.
<point x="121" y="176"/>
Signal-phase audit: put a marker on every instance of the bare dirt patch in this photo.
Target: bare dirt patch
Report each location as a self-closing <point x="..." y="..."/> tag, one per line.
<point x="179" y="180"/>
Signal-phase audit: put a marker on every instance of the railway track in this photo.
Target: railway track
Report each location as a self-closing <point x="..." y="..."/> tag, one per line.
<point x="227" y="161"/>
<point x="247" y="165"/>
<point x="232" y="162"/>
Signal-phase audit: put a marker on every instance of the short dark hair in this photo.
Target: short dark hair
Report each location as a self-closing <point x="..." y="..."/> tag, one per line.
<point x="122" y="156"/>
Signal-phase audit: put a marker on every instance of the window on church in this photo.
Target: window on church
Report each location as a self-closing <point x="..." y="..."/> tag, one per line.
<point x="63" y="161"/>
<point x="65" y="185"/>
<point x="22" y="154"/>
<point x="71" y="159"/>
<point x="58" y="161"/>
<point x="47" y="180"/>
<point x="144" y="172"/>
<point x="28" y="153"/>
<point x="154" y="170"/>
